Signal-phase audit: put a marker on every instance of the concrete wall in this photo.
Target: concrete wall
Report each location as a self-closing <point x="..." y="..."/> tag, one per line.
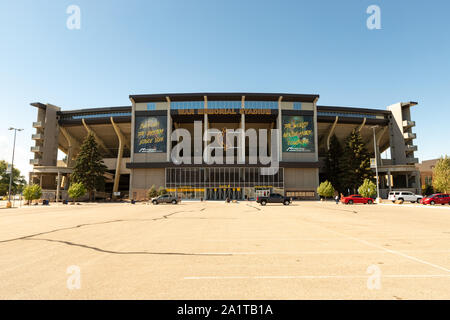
<point x="111" y="164"/>
<point x="143" y="179"/>
<point x="50" y="132"/>
<point x="306" y="179"/>
<point x="397" y="141"/>
<point x="400" y="112"/>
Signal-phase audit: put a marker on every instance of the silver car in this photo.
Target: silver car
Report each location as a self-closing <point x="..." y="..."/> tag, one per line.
<point x="165" y="198"/>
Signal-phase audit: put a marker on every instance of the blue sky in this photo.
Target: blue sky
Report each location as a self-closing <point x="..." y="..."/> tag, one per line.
<point x="132" y="47"/>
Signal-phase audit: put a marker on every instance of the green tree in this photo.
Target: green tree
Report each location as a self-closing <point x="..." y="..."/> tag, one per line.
<point x="18" y="181"/>
<point x="152" y="192"/>
<point x="441" y="175"/>
<point x="89" y="168"/>
<point x="162" y="191"/>
<point x="76" y="190"/>
<point x="325" y="189"/>
<point x="32" y="192"/>
<point x="368" y="189"/>
<point x="333" y="165"/>
<point x="355" y="162"/>
<point x="428" y="190"/>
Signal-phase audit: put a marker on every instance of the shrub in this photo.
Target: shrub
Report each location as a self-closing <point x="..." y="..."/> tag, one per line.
<point x="32" y="192"/>
<point x="162" y="191"/>
<point x="325" y="189"/>
<point x="368" y="189"/>
<point x="77" y="190"/>
<point x="152" y="192"/>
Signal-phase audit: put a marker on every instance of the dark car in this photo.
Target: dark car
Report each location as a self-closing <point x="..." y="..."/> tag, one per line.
<point x="273" y="198"/>
<point x="165" y="198"/>
<point x="438" y="198"/>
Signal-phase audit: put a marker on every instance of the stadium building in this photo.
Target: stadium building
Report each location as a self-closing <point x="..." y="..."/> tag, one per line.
<point x="135" y="142"/>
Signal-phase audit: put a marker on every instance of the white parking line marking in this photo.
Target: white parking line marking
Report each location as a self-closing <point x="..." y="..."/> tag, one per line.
<point x="315" y="252"/>
<point x="437" y="206"/>
<point x="411" y="237"/>
<point x="387" y="250"/>
<point x="395" y="276"/>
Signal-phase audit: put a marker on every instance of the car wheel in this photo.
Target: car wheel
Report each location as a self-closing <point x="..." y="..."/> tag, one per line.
<point x="432" y="203"/>
<point x="369" y="201"/>
<point x="263" y="203"/>
<point x="174" y="201"/>
<point x="286" y="203"/>
<point x="401" y="199"/>
<point x="393" y="201"/>
<point x="418" y="200"/>
<point x="350" y="201"/>
<point x="413" y="202"/>
<point x="155" y="202"/>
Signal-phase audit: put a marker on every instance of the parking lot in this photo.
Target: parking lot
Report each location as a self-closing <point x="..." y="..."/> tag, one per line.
<point x="214" y="250"/>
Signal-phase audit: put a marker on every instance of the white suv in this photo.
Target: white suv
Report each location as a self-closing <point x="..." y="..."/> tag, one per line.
<point x="404" y="195"/>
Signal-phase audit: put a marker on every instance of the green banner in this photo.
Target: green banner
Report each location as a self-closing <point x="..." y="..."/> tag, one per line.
<point x="298" y="134"/>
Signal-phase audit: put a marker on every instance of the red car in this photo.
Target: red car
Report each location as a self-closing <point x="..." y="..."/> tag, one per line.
<point x="356" y="198"/>
<point x="437" y="198"/>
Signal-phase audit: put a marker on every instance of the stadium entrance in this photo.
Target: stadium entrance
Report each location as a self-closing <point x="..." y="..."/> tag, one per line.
<point x="220" y="183"/>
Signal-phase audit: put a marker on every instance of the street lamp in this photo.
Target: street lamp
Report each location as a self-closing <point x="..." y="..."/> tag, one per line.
<point x="12" y="166"/>
<point x="376" y="162"/>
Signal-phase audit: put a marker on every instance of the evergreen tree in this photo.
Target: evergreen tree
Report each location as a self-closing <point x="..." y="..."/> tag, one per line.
<point x="89" y="167"/>
<point x="355" y="162"/>
<point x="441" y="175"/>
<point x="333" y="164"/>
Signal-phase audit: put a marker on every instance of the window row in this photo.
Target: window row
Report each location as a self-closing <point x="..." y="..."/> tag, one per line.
<point x="222" y="177"/>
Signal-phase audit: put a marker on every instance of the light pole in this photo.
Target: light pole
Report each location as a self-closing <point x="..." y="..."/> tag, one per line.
<point x="12" y="166"/>
<point x="376" y="161"/>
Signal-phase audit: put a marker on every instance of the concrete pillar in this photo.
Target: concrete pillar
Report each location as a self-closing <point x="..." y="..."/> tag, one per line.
<point x="331" y="132"/>
<point x="97" y="138"/>
<point x="169" y="130"/>
<point x="58" y="186"/>
<point x="71" y="146"/>
<point x="389" y="180"/>
<point x="279" y="126"/>
<point x="119" y="155"/>
<point x="242" y="158"/>
<point x="205" y="123"/>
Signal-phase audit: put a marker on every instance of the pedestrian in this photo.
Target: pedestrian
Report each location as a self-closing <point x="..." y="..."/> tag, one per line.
<point x="336" y="198"/>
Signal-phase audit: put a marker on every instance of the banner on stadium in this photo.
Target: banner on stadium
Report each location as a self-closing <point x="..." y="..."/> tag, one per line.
<point x="150" y="134"/>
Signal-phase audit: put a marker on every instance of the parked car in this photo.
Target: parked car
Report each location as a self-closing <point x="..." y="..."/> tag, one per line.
<point x="437" y="198"/>
<point x="405" y="196"/>
<point x="356" y="198"/>
<point x="273" y="198"/>
<point x="165" y="198"/>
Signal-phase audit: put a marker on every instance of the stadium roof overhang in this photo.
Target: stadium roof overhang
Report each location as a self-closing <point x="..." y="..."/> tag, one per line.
<point x="224" y="96"/>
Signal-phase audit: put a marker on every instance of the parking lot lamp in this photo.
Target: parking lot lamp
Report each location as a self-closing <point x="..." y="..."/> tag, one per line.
<point x="378" y="200"/>
<point x="8" y="205"/>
